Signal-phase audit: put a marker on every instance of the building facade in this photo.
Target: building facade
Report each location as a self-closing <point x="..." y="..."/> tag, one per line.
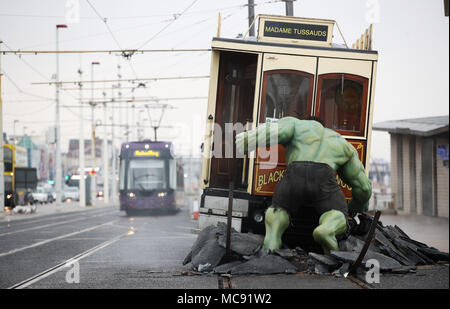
<point x="419" y="165"/>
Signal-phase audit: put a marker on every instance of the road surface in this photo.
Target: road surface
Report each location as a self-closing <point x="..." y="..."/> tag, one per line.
<point x="103" y="248"/>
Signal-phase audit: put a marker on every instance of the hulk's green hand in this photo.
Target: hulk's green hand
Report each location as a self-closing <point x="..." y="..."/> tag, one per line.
<point x="354" y="207"/>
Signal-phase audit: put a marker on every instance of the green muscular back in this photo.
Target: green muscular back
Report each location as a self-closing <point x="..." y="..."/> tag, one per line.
<point x="308" y="140"/>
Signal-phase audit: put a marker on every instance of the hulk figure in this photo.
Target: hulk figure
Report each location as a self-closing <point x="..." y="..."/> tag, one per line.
<point x="309" y="187"/>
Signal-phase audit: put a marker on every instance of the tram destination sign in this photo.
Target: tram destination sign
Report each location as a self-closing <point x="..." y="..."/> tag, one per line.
<point x="296" y="30"/>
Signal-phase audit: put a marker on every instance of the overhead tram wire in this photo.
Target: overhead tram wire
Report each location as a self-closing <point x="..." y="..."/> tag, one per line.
<point x="125" y="80"/>
<point x="149" y="99"/>
<point x="40" y="74"/>
<point x="201" y="30"/>
<point x="165" y="27"/>
<point x="126" y="55"/>
<point x="104" y="51"/>
<point x="119" y="17"/>
<point x="105" y="22"/>
<point x="41" y="109"/>
<point x="22" y="91"/>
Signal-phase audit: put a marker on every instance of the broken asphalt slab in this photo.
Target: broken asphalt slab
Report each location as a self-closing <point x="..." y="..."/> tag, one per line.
<point x="386" y="263"/>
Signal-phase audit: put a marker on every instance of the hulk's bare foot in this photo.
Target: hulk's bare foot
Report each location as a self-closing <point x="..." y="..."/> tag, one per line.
<point x="277" y="221"/>
<point x="331" y="223"/>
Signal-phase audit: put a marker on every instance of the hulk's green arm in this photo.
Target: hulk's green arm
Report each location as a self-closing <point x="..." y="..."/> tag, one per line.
<point x="353" y="174"/>
<point x="266" y="134"/>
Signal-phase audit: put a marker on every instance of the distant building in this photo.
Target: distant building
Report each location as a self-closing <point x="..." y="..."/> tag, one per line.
<point x="419" y="164"/>
<point x="73" y="154"/>
<point x="73" y="161"/>
<point x="38" y="156"/>
<point x="380" y="172"/>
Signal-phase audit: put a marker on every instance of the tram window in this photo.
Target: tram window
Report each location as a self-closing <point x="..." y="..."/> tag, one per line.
<point x="7" y="159"/>
<point x="146" y="175"/>
<point x="8" y="183"/>
<point x="342" y="102"/>
<point x="172" y="174"/>
<point x="122" y="175"/>
<point x="287" y="93"/>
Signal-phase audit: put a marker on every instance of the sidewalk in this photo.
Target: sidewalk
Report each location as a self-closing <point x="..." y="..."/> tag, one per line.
<point x="53" y="208"/>
<point x="430" y="230"/>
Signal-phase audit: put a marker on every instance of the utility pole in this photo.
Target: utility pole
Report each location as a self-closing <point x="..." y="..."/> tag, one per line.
<point x="119" y="77"/>
<point x="58" y="176"/>
<point x="113" y="181"/>
<point x="93" y="150"/>
<point x="133" y="122"/>
<point x="105" y="155"/>
<point x="2" y="178"/>
<point x="14" y="131"/>
<point x="251" y="16"/>
<point x="82" y="183"/>
<point x="289" y="7"/>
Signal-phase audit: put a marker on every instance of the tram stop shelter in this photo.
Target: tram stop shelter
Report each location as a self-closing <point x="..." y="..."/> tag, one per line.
<point x="419" y="164"/>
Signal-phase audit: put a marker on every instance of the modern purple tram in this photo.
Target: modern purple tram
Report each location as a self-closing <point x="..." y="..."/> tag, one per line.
<point x="149" y="177"/>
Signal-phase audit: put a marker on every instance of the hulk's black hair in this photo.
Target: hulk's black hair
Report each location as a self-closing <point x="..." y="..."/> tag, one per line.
<point x="316" y="119"/>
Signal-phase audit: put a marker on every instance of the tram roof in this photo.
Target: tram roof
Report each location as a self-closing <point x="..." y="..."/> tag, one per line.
<point x="252" y="45"/>
<point x="252" y="41"/>
<point x="137" y="145"/>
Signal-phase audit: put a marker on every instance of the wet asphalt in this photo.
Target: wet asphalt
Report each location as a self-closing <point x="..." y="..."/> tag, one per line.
<point x="131" y="248"/>
<point x="113" y="250"/>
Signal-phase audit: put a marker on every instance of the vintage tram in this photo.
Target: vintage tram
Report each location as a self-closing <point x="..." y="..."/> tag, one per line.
<point x="291" y="68"/>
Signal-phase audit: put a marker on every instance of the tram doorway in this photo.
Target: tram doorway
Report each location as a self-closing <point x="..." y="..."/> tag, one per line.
<point x="235" y="101"/>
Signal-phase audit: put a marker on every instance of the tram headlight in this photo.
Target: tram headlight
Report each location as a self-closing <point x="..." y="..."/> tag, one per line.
<point x="258" y="217"/>
<point x="131" y="194"/>
<point x="162" y="194"/>
<point x="9" y="196"/>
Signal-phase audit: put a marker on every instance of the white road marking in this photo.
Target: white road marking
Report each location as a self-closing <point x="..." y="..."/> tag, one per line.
<point x="48" y="225"/>
<point x="62" y="265"/>
<point x="20" y="222"/>
<point x="184" y="227"/>
<point x="53" y="239"/>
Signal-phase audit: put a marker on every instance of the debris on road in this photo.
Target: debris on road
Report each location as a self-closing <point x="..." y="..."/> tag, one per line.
<point x="394" y="250"/>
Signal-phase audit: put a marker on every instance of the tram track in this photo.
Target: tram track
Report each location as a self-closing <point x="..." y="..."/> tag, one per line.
<point x="50" y="271"/>
<point x="50" y="217"/>
<point x="98" y="214"/>
<point x="46" y="241"/>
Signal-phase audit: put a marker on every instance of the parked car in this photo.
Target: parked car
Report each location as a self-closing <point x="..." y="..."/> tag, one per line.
<point x="51" y="195"/>
<point x="40" y="195"/>
<point x="100" y="190"/>
<point x="71" y="194"/>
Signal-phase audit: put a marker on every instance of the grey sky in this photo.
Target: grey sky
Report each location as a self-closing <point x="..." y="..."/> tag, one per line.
<point x="412" y="38"/>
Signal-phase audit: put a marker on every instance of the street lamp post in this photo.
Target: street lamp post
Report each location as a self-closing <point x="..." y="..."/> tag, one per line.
<point x="113" y="151"/>
<point x="14" y="131"/>
<point x="81" y="149"/>
<point x="58" y="176"/>
<point x="93" y="184"/>
<point x="105" y="155"/>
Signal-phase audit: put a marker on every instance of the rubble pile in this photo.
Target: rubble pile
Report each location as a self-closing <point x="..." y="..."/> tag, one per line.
<point x="395" y="252"/>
